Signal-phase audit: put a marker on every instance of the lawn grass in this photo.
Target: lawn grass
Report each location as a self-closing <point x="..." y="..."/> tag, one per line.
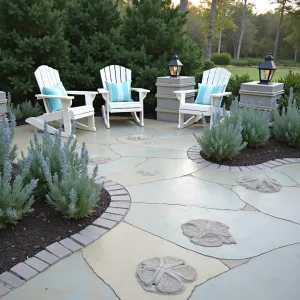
<point x="253" y="71"/>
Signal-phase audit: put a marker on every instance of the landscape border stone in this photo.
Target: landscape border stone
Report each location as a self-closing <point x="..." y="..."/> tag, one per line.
<point x="193" y="154"/>
<point x="115" y="213"/>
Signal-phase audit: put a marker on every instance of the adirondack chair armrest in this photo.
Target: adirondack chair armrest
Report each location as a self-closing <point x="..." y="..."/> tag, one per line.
<point x="89" y="96"/>
<point x="140" y="90"/>
<point x="142" y="93"/>
<point x="81" y="93"/>
<point x="226" y="94"/>
<point x="64" y="98"/>
<point x="215" y="97"/>
<point x="102" y="91"/>
<point x="181" y="94"/>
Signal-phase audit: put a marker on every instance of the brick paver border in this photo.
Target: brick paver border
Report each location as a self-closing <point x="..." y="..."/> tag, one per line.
<point x="23" y="271"/>
<point x="194" y="154"/>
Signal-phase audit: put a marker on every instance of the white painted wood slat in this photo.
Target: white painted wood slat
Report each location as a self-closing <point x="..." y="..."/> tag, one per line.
<point x="118" y="74"/>
<point x="123" y="74"/>
<point x="217" y="76"/>
<point x="211" y="77"/>
<point x="112" y="73"/>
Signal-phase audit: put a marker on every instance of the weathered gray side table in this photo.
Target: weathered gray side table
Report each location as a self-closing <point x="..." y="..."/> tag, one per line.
<point x="262" y="96"/>
<point x="167" y="103"/>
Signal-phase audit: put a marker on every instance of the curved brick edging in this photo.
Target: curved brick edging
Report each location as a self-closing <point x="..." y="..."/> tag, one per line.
<point x="23" y="271"/>
<point x="194" y="154"/>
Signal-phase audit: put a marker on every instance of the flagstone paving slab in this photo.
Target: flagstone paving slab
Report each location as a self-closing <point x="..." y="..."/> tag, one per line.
<point x="145" y="151"/>
<point x="181" y="143"/>
<point x="292" y="170"/>
<point x="186" y="191"/>
<point x="102" y="151"/>
<point x="272" y="276"/>
<point x="158" y="167"/>
<point x="254" y="232"/>
<point x="70" y="279"/>
<point x="284" y="204"/>
<point x="132" y="246"/>
<point x="100" y="137"/>
<point x="117" y="166"/>
<point x="230" y="177"/>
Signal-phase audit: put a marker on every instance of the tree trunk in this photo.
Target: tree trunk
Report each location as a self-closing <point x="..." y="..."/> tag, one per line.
<point x="278" y="29"/>
<point x="210" y="29"/>
<point x="295" y="57"/>
<point x="184" y="8"/>
<point x="242" y="31"/>
<point x="220" y="41"/>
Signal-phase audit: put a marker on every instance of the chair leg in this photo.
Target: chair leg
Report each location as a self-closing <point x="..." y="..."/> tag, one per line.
<point x="180" y="122"/>
<point x="38" y="122"/>
<point x="90" y="126"/>
<point x="105" y="117"/>
<point x="142" y="118"/>
<point x="190" y="121"/>
<point x="67" y="124"/>
<point x="91" y="123"/>
<point x="136" y="119"/>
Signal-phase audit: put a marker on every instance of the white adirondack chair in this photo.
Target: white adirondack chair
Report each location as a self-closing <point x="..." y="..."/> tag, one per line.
<point x="48" y="77"/>
<point x="210" y="77"/>
<point x="118" y="74"/>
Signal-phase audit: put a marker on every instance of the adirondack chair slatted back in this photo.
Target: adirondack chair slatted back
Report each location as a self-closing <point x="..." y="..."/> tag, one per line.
<point x="115" y="73"/>
<point x="46" y="77"/>
<point x="216" y="76"/>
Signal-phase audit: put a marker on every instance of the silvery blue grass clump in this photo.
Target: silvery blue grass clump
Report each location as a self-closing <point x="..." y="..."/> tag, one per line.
<point x="8" y="151"/>
<point x="16" y="198"/>
<point x="24" y="110"/>
<point x="74" y="193"/>
<point x="255" y="123"/>
<point x="287" y="124"/>
<point x="223" y="141"/>
<point x="51" y="149"/>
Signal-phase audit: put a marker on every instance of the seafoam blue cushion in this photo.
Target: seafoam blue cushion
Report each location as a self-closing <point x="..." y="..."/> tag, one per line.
<point x="119" y="92"/>
<point x="205" y="91"/>
<point x="57" y="90"/>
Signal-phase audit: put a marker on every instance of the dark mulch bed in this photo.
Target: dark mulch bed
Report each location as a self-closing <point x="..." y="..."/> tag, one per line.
<point x="40" y="229"/>
<point x="253" y="156"/>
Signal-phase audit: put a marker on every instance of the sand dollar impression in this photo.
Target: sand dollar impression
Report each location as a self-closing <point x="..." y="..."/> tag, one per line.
<point x="97" y="159"/>
<point x="261" y="183"/>
<point x="165" y="275"/>
<point x="139" y="137"/>
<point x="207" y="233"/>
<point x="150" y="172"/>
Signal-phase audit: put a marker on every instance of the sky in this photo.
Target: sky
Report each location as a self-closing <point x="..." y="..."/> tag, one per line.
<point x="261" y="5"/>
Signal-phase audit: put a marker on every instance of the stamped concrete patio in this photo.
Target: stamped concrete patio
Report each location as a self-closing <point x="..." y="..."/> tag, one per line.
<point x="168" y="189"/>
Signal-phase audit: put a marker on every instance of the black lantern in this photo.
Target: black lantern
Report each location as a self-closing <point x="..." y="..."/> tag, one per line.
<point x="267" y="70"/>
<point x="175" y="66"/>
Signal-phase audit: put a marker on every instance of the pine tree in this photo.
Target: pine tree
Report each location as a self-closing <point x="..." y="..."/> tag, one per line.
<point x="89" y="25"/>
<point x="152" y="31"/>
<point x="31" y="34"/>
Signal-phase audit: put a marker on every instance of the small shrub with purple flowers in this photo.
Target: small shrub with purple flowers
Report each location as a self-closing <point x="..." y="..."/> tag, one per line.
<point x="75" y="194"/>
<point x="16" y="197"/>
<point x="287" y="124"/>
<point x="50" y="149"/>
<point x="222" y="141"/>
<point x="255" y="123"/>
<point x="63" y="174"/>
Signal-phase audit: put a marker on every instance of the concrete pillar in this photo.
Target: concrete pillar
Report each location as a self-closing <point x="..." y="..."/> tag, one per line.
<point x="3" y="102"/>
<point x="167" y="103"/>
<point x="262" y="96"/>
